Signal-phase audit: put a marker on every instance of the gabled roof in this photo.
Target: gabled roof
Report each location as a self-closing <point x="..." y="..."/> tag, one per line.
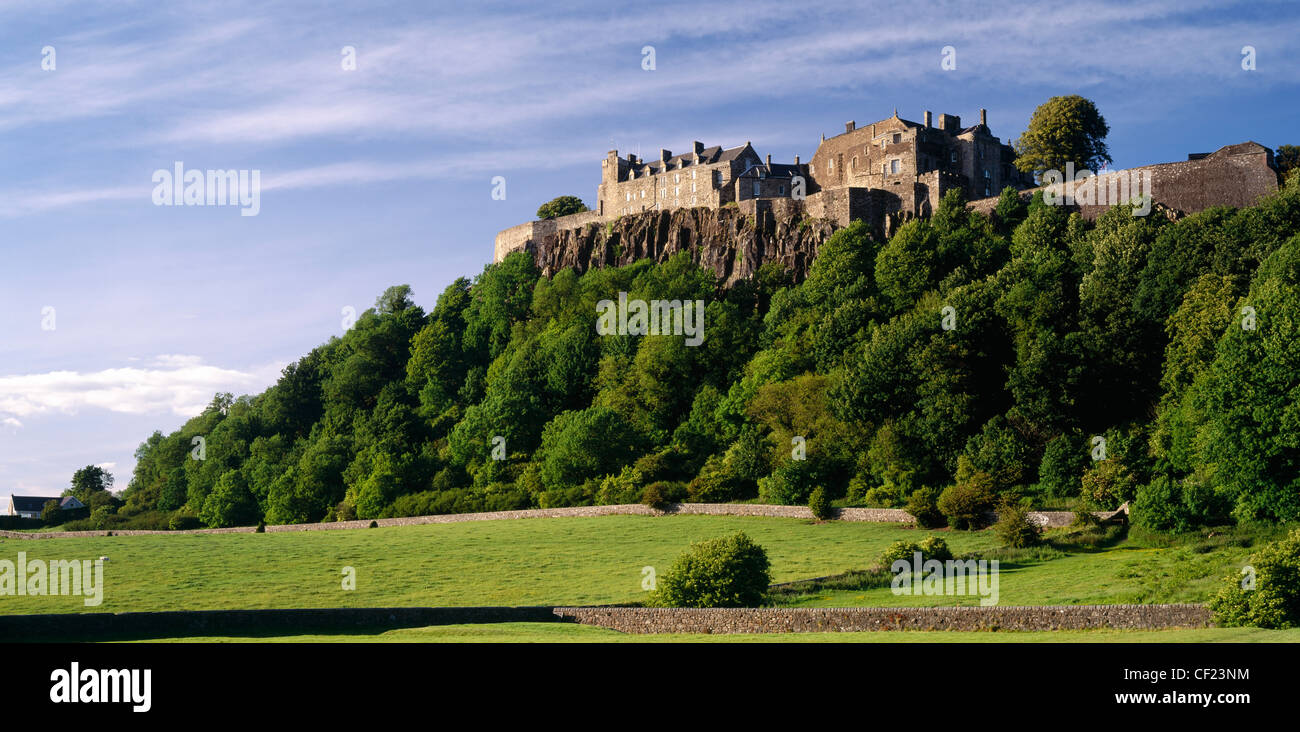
<point x="709" y="155"/>
<point x="32" y="503"/>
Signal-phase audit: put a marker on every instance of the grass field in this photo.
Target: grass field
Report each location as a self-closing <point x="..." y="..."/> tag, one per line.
<point x="574" y="561"/>
<point x="570" y="633"/>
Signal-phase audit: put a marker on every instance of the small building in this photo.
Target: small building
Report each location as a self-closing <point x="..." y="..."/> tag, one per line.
<point x="31" y="506"/>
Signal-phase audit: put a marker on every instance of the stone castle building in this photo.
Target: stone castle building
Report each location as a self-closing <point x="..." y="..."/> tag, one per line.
<point x="882" y="173"/>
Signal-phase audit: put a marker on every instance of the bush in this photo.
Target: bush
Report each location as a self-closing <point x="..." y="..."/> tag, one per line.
<point x="661" y="494"/>
<point x="1274" y="602"/>
<point x="1014" y="529"/>
<point x="731" y="571"/>
<point x="820" y="504"/>
<point x="715" y="483"/>
<point x="923" y="504"/>
<point x="932" y="547"/>
<point x="181" y="521"/>
<point x="967" y="503"/>
<point x="626" y="487"/>
<point x="1107" y="484"/>
<point x="790" y="484"/>
<point x="345" y="511"/>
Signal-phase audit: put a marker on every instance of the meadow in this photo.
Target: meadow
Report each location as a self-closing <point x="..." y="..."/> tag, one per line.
<point x="591" y="561"/>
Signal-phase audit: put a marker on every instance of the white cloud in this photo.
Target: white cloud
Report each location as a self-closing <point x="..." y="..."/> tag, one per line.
<point x="11" y="422"/>
<point x="179" y="384"/>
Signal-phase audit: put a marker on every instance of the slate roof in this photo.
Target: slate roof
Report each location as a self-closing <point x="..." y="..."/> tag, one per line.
<point x="32" y="503"/>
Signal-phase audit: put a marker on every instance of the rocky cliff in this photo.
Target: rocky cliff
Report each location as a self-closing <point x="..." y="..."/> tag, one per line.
<point x="728" y="241"/>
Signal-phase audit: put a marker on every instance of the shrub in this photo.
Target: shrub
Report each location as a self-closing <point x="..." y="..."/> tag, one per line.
<point x="967" y="503"/>
<point x="923" y="504"/>
<point x="51" y="514"/>
<point x="932" y="547"/>
<point x="1107" y="484"/>
<point x="345" y="511"/>
<point x="181" y="521"/>
<point x="1274" y="602"/>
<point x="790" y="484"/>
<point x="1159" y="506"/>
<point x="626" y="487"/>
<point x="715" y="483"/>
<point x="1015" y="529"/>
<point x="820" y="504"/>
<point x="731" y="571"/>
<point x="660" y="494"/>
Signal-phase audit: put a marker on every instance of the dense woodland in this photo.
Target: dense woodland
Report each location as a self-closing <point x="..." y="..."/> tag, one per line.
<point x="1178" y="343"/>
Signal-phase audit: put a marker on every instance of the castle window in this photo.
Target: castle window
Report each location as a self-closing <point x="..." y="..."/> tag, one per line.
<point x="954" y="157"/>
<point x="897" y="138"/>
<point x="830" y="164"/>
<point x="663" y="192"/>
<point x="780" y="190"/>
<point x="855" y="162"/>
<point x="717" y="177"/>
<point x="643" y="193"/>
<point x="627" y="196"/>
<point x="692" y="175"/>
<point x="677" y="192"/>
<point x="677" y="177"/>
<point x="893" y="166"/>
<point x="756" y="189"/>
<point x="692" y="188"/>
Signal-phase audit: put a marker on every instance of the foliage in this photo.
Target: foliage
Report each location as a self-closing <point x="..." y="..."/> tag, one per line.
<point x="561" y="206"/>
<point x="731" y="571"/>
<point x="931" y="547"/>
<point x="966" y="504"/>
<point x="820" y="504"/>
<point x="923" y="504"/>
<point x="1274" y="600"/>
<point x="1066" y="129"/>
<point x="1014" y="527"/>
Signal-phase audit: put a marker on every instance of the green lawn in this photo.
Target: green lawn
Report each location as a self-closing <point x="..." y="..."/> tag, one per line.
<point x="570" y="561"/>
<point x="571" y="633"/>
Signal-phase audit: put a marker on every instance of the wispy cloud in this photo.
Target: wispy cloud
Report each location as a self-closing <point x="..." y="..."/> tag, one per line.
<point x="178" y="384"/>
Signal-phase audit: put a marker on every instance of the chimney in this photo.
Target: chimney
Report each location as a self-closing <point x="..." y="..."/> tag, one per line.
<point x="631" y="157"/>
<point x="769" y="160"/>
<point x="698" y="147"/>
<point x="664" y="154"/>
<point x="984" y="117"/>
<point x="927" y="118"/>
<point x="796" y="160"/>
<point x="850" y="126"/>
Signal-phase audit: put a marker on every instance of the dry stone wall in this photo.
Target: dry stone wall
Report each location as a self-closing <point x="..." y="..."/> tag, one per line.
<point x="844" y="620"/>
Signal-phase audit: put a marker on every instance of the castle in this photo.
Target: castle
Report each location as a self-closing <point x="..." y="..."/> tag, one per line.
<point x="882" y="173"/>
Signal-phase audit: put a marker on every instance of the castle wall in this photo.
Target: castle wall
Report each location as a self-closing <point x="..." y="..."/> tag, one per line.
<point x="1236" y="175"/>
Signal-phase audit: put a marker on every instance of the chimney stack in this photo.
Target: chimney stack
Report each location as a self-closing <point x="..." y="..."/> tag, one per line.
<point x="664" y="154"/>
<point x="796" y="160"/>
<point x="698" y="147"/>
<point x="927" y="118"/>
<point x="850" y="126"/>
<point x="769" y="160"/>
<point x="984" y="117"/>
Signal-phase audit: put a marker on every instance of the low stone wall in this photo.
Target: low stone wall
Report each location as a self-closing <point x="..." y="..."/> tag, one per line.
<point x="1049" y="519"/>
<point x="844" y="620"/>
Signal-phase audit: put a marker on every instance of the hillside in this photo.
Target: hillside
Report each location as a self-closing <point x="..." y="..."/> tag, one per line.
<point x="986" y="353"/>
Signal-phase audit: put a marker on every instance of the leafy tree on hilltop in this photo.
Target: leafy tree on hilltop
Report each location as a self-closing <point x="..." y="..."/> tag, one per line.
<point x="1287" y="159"/>
<point x="1063" y="130"/>
<point x="561" y="206"/>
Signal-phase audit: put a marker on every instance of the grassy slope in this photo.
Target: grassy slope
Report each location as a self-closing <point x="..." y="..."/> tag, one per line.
<point x="567" y="633"/>
<point x="562" y="561"/>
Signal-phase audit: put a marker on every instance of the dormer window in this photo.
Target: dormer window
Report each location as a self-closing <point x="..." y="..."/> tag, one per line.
<point x="897" y="138"/>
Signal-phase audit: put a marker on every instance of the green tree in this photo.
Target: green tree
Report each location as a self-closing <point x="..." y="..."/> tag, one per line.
<point x="561" y="206"/>
<point x="1063" y="130"/>
<point x="1287" y="159"/>
<point x="88" y="482"/>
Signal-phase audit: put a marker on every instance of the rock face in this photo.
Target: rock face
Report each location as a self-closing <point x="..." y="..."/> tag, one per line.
<point x="727" y="240"/>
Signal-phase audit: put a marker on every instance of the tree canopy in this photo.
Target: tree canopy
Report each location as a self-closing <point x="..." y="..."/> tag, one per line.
<point x="1063" y="130"/>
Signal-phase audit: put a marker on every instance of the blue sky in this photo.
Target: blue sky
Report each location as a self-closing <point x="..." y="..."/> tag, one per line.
<point x="382" y="175"/>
